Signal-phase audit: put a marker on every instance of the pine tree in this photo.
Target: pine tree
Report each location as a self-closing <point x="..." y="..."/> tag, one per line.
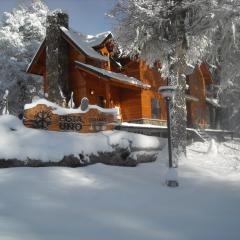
<point x="180" y="34"/>
<point x="21" y="32"/>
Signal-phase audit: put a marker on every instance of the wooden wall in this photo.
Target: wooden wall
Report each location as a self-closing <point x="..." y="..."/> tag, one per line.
<point x="98" y="85"/>
<point x="115" y="93"/>
<point x="132" y="69"/>
<point x="199" y="110"/>
<point x="83" y="83"/>
<point x="146" y="97"/>
<point x="152" y="77"/>
<point x="131" y="107"/>
<point x="127" y="99"/>
<point x="77" y="80"/>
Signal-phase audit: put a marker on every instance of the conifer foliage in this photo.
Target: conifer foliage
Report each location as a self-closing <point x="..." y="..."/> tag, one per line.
<point x="181" y="34"/>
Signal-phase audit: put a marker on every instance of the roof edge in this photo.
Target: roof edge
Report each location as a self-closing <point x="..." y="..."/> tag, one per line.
<point x="110" y="35"/>
<point x="36" y="56"/>
<point x="100" y="72"/>
<point x="71" y="41"/>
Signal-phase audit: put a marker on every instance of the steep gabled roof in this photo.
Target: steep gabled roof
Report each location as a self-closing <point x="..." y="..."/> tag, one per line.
<point x="84" y="46"/>
<point x="97" y="40"/>
<point x="36" y="56"/>
<point x="117" y="77"/>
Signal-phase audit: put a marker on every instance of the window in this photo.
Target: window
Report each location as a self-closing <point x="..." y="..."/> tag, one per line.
<point x="155" y="106"/>
<point x="101" y="102"/>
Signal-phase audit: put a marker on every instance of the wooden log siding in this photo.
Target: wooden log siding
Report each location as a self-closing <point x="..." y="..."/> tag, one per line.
<point x="198" y="110"/>
<point x="152" y="77"/>
<point x="77" y="82"/>
<point x="108" y="94"/>
<point x="93" y="120"/>
<point x="131" y="107"/>
<point x="132" y="69"/>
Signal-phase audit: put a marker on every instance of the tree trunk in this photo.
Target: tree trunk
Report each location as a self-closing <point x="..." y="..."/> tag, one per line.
<point x="178" y="79"/>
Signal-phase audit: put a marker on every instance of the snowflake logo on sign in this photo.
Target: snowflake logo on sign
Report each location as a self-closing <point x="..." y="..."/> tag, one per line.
<point x="42" y="120"/>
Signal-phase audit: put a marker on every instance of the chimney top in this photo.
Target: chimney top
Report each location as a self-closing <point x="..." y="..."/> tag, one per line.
<point x="58" y="17"/>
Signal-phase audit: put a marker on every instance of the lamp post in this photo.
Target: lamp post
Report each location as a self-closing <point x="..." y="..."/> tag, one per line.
<point x="168" y="92"/>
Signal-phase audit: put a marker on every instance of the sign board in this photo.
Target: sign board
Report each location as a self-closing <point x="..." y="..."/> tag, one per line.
<point x="45" y="117"/>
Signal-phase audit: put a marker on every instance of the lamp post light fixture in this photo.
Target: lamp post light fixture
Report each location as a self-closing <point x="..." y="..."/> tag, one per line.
<point x="168" y="93"/>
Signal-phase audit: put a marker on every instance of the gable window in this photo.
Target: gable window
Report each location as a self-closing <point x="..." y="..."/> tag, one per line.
<point x="155" y="107"/>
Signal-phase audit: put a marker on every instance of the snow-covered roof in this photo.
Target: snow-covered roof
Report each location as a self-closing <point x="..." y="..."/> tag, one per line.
<point x="85" y="43"/>
<point x="116" y="76"/>
<point x="98" y="39"/>
<point x="36" y="55"/>
<point x="213" y="101"/>
<point x="86" y="46"/>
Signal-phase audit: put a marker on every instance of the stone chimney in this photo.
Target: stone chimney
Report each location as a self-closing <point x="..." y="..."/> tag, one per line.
<point x="57" y="69"/>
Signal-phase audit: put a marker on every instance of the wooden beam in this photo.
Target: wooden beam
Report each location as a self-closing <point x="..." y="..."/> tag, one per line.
<point x="114" y="81"/>
<point x="108" y="94"/>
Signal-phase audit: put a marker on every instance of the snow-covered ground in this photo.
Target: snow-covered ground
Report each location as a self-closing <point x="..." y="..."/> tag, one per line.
<point x="106" y="202"/>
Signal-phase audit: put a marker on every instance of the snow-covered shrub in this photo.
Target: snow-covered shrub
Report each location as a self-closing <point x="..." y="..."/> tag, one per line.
<point x="5" y="110"/>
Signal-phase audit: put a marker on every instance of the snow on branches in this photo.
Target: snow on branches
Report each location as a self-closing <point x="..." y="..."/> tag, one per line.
<point x="209" y="31"/>
<point x="148" y="28"/>
<point x="21" y="32"/>
<point x="179" y="34"/>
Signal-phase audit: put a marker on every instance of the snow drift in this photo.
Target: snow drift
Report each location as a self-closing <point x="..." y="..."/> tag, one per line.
<point x="40" y="147"/>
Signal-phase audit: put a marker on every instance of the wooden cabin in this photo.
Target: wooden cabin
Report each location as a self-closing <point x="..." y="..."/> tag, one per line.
<point x="86" y="66"/>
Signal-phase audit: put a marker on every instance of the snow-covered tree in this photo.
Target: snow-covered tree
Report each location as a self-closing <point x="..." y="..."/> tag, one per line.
<point x="179" y="34"/>
<point x="21" y="32"/>
<point x="228" y="70"/>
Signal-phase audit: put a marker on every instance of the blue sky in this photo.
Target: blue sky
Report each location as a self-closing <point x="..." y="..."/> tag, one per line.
<point x="86" y="16"/>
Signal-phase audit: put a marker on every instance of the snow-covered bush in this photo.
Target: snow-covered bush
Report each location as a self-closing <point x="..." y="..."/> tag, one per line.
<point x="21" y="32"/>
<point x="5" y="110"/>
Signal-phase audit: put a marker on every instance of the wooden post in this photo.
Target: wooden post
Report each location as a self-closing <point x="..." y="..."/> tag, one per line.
<point x="202" y="98"/>
<point x="83" y="88"/>
<point x="108" y="95"/>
